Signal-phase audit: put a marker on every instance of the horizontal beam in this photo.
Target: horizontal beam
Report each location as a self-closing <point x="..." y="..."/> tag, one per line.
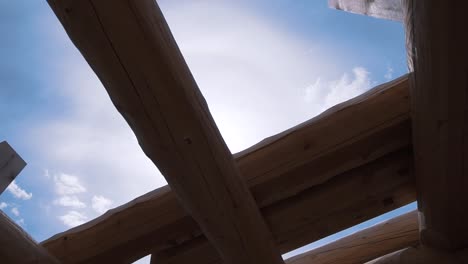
<point x="11" y="164"/>
<point x="351" y="198"/>
<point x="386" y="9"/>
<point x="16" y="246"/>
<point x="369" y="163"/>
<point x="423" y="255"/>
<point x="365" y="245"/>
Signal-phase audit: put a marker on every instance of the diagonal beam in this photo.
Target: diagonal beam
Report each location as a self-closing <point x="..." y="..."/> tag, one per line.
<point x="287" y="177"/>
<point x="130" y="47"/>
<point x="11" y="164"/>
<point x="437" y="46"/>
<point x="18" y="247"/>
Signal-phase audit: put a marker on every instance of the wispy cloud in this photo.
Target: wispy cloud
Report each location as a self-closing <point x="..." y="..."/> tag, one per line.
<point x="389" y="74"/>
<point x="70" y="201"/>
<point x="66" y="184"/>
<point x="101" y="204"/>
<point x="324" y="94"/>
<point x="18" y="192"/>
<point x="15" y="211"/>
<point x="3" y="205"/>
<point x="73" y="218"/>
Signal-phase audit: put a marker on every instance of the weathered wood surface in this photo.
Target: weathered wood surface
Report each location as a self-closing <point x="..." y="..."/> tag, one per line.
<point x="437" y="46"/>
<point x="11" y="164"/>
<point x="340" y="203"/>
<point x="377" y="126"/>
<point x="387" y="9"/>
<point x="131" y="49"/>
<point x="422" y="255"/>
<point x="365" y="245"/>
<point x="17" y="247"/>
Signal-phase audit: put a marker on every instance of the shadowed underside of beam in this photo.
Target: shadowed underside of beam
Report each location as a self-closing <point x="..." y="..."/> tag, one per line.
<point x="362" y="171"/>
<point x="368" y="244"/>
<point x="17" y="247"/>
<point x="131" y="49"/>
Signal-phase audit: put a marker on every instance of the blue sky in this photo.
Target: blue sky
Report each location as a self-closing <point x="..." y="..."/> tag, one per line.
<point x="264" y="66"/>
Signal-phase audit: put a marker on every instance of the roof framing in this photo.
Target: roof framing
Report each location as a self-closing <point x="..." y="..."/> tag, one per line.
<point x="131" y="49"/>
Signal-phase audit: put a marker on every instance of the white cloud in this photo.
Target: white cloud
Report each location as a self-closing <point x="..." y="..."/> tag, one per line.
<point x="17" y="192"/>
<point x="324" y="95"/>
<point x="101" y="204"/>
<point x="20" y="222"/>
<point x="15" y="211"/>
<point x="70" y="201"/>
<point x="3" y="205"/>
<point x="389" y="74"/>
<point x="73" y="218"/>
<point x="66" y="184"/>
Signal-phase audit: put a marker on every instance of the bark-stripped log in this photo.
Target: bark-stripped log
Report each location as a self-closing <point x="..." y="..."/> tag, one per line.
<point x="131" y="49"/>
<point x="377" y="124"/>
<point x="365" y="245"/>
<point x="17" y="247"/>
<point x="437" y="45"/>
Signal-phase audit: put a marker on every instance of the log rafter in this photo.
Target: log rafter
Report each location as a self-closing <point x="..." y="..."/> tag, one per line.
<point x="377" y="181"/>
<point x="131" y="49"/>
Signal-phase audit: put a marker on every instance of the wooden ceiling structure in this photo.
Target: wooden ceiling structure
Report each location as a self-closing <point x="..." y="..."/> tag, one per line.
<point x="403" y="141"/>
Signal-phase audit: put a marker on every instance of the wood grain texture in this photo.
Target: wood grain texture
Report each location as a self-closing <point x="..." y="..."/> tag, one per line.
<point x="437" y="46"/>
<point x="131" y="49"/>
<point x="387" y="9"/>
<point x="11" y="164"/>
<point x="378" y="128"/>
<point x="17" y="247"/>
<point x="422" y="255"/>
<point x="365" y="245"/>
<point x="342" y="202"/>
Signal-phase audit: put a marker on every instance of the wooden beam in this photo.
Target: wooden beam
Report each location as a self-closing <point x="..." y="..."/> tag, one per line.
<point x="11" y="164"/>
<point x="437" y="45"/>
<point x="18" y="247"/>
<point x="324" y="166"/>
<point x="422" y="255"/>
<point x="386" y="9"/>
<point x="130" y="47"/>
<point x="365" y="245"/>
<point x="363" y="193"/>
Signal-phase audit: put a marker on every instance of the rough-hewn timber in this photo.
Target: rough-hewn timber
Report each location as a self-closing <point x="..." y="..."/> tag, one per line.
<point x="384" y="238"/>
<point x="17" y="247"/>
<point x="437" y="45"/>
<point x="367" y="166"/>
<point x="131" y="49"/>
<point x="11" y="164"/>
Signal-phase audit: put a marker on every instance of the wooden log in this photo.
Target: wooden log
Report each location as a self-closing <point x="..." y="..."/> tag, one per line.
<point x="377" y="125"/>
<point x="17" y="247"/>
<point x="384" y="238"/>
<point x="131" y="49"/>
<point x="422" y="255"/>
<point x="351" y="198"/>
<point x="386" y="9"/>
<point x="437" y="45"/>
<point x="11" y="164"/>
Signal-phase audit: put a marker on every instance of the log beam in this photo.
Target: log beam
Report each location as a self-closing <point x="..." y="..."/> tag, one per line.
<point x="386" y="9"/>
<point x="131" y="49"/>
<point x="16" y="246"/>
<point x="324" y="166"/>
<point x="437" y="46"/>
<point x="422" y="255"/>
<point x="365" y="245"/>
<point x="11" y="164"/>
